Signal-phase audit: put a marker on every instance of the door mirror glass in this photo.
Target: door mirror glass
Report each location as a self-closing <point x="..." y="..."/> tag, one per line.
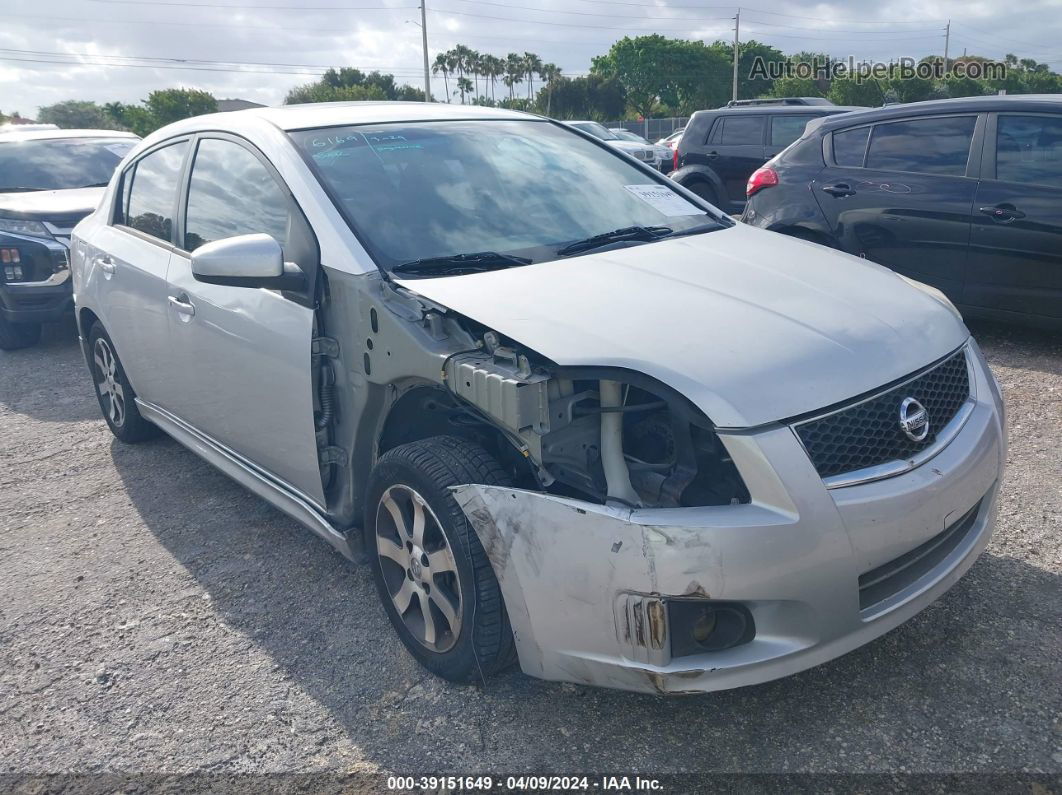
<point x="245" y="261"/>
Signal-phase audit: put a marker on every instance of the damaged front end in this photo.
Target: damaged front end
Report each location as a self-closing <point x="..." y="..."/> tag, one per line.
<point x="606" y="435"/>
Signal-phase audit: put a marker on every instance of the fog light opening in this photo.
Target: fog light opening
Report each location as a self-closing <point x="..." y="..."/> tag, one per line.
<point x="700" y="625"/>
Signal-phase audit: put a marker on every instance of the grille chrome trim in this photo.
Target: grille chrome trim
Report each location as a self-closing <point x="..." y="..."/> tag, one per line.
<point x="896" y="467"/>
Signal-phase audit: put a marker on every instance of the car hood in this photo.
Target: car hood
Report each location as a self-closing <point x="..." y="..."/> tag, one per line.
<point x="750" y="325"/>
<point x="42" y="205"/>
<point x="629" y="146"/>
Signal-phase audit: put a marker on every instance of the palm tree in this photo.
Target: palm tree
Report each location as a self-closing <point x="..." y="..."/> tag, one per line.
<point x="464" y="85"/>
<point x="551" y="74"/>
<point x="495" y="69"/>
<point x="532" y="66"/>
<point x="514" y="72"/>
<point x="442" y="64"/>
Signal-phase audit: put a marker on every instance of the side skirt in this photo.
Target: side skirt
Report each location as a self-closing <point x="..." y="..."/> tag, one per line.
<point x="281" y="496"/>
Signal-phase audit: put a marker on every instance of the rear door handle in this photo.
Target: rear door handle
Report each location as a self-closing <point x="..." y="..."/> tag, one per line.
<point x="839" y="189"/>
<point x="711" y="155"/>
<point x="182" y="306"/>
<point x="1004" y="213"/>
<point x="107" y="265"/>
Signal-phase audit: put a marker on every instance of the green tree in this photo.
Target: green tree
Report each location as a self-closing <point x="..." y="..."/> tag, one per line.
<point x="353" y="85"/>
<point x="76" y="114"/>
<point x="658" y="73"/>
<point x="849" y="91"/>
<point x="795" y="87"/>
<point x="441" y="64"/>
<point x="749" y="86"/>
<point x="173" y="104"/>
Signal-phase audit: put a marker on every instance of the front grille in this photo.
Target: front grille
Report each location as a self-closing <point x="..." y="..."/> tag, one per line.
<point x="890" y="578"/>
<point x="868" y="433"/>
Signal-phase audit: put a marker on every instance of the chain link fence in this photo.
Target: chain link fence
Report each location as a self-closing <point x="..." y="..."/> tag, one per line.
<point x="651" y="129"/>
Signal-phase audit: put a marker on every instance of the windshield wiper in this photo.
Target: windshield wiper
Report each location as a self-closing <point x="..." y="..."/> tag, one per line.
<point x="461" y="263"/>
<point x="96" y="185"/>
<point x="694" y="230"/>
<point x="641" y="234"/>
<point x="17" y="189"/>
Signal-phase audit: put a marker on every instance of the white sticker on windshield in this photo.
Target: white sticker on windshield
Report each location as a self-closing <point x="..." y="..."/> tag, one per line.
<point x="664" y="199"/>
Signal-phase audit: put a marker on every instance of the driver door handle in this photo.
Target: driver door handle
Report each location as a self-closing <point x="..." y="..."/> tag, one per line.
<point x="182" y="306"/>
<point x="1002" y="212"/>
<point x="839" y="189"/>
<point x="107" y="265"/>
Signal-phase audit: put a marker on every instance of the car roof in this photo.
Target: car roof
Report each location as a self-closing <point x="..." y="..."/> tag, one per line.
<point x="41" y="135"/>
<point x="787" y="110"/>
<point x="1031" y="102"/>
<point x="336" y="114"/>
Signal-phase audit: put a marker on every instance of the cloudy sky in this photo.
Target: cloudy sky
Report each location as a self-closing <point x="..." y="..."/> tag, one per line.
<point x="107" y="50"/>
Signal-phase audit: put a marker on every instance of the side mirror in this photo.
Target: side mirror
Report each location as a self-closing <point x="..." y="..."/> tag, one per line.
<point x="246" y="261"/>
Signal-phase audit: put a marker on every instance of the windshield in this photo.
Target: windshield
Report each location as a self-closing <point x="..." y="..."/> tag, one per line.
<point x="596" y="130"/>
<point x="627" y="135"/>
<point x="60" y="163"/>
<point x="413" y="191"/>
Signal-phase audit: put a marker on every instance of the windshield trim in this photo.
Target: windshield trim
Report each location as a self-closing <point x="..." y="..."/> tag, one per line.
<point x="714" y="213"/>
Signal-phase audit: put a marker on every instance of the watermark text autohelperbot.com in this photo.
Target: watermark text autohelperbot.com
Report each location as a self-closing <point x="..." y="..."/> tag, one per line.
<point x="851" y="69"/>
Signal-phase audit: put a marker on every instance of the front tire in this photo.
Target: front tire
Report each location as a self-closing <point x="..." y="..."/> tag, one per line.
<point x="113" y="391"/>
<point x="706" y="192"/>
<point x="434" y="579"/>
<point x="18" y="335"/>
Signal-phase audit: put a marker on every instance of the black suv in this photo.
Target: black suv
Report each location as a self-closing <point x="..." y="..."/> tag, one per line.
<point x="721" y="148"/>
<point x="963" y="194"/>
<point x="49" y="180"/>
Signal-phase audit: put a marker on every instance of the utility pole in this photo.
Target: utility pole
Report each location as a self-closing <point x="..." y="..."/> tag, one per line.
<point x="424" y="39"/>
<point x="737" y="29"/>
<point x="947" y="41"/>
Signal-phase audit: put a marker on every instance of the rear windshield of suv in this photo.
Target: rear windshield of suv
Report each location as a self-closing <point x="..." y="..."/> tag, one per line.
<point x="436" y="189"/>
<point x="60" y="163"/>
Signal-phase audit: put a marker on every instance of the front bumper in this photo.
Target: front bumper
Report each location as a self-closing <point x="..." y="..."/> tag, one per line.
<point x="46" y="293"/>
<point x="580" y="580"/>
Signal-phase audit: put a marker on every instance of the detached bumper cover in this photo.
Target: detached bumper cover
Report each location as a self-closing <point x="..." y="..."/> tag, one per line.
<point x="576" y="576"/>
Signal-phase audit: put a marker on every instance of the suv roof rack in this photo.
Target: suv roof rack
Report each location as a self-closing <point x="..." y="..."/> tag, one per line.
<point x="737" y="103"/>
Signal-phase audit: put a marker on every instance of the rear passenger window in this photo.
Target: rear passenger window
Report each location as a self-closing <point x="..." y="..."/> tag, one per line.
<point x="849" y="146"/>
<point x="232" y="193"/>
<point x="152" y="192"/>
<point x="786" y="129"/>
<point x="1029" y="149"/>
<point x="926" y="146"/>
<point x="739" y="130"/>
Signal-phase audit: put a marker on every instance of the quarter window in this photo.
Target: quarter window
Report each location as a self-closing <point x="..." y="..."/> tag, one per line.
<point x="926" y="146"/>
<point x="1029" y="149"/>
<point x="786" y="129"/>
<point x="152" y="193"/>
<point x="738" y="130"/>
<point x="849" y="146"/>
<point x="232" y="193"/>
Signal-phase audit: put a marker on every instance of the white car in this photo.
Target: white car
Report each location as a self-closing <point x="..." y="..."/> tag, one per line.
<point x="648" y="153"/>
<point x="568" y="413"/>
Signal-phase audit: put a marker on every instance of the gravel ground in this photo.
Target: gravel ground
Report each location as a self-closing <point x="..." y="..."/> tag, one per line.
<point x="154" y="616"/>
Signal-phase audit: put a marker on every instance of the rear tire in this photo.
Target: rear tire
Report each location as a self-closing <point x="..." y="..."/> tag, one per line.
<point x="434" y="579"/>
<point x="113" y="391"/>
<point x="18" y="335"/>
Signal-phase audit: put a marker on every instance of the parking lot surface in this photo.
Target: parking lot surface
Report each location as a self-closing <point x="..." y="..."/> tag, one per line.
<point x="154" y="616"/>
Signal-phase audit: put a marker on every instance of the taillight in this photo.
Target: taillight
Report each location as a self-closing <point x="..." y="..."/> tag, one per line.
<point x="761" y="178"/>
<point x="674" y="159"/>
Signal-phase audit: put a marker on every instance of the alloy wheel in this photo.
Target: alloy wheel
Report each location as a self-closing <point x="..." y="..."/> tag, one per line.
<point x="111" y="393"/>
<point x="418" y="568"/>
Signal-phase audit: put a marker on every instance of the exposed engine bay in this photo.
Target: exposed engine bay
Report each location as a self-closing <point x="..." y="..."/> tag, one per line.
<point x="598" y="434"/>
